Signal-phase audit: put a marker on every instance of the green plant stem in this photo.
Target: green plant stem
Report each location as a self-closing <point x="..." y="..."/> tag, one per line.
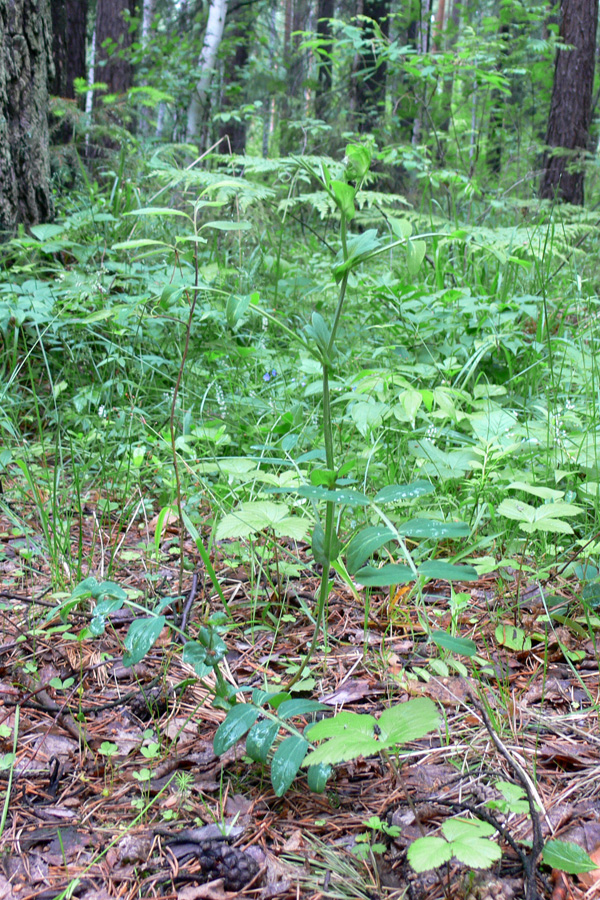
<point x="329" y="530"/>
<point x="11" y="771"/>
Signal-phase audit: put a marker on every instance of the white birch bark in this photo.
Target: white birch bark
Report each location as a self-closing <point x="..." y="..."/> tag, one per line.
<point x="89" y="97"/>
<point x="148" y="7"/>
<point x="212" y="39"/>
<point x="147" y="16"/>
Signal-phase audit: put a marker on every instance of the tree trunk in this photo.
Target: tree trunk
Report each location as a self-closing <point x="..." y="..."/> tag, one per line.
<point x="325" y="11"/>
<point x="25" y="67"/>
<point x="69" y="26"/>
<point x="113" y="39"/>
<point x="371" y="84"/>
<point x="233" y="85"/>
<point x="570" y="109"/>
<point x="206" y="63"/>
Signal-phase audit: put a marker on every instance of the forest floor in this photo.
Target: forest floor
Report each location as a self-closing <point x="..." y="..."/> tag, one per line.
<point x="115" y="790"/>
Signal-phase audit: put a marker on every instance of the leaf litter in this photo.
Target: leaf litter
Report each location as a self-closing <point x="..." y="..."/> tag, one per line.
<point x="115" y="790"/>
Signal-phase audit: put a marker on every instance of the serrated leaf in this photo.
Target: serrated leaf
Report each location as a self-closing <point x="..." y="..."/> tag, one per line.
<point x="408" y="721"/>
<point x="567" y="857"/>
<point x="285" y="763"/>
<point x="342" y="723"/>
<point x="464" y="646"/>
<point x="394" y="493"/>
<point x="445" y="571"/>
<point x="477" y="853"/>
<point x="464" y="829"/>
<point x="250" y="518"/>
<point x="344" y="747"/>
<point x="237" y="722"/>
<point x="364" y="544"/>
<point x="428" y="853"/>
<point x="430" y="528"/>
<point x="260" y="739"/>
<point x="394" y="573"/>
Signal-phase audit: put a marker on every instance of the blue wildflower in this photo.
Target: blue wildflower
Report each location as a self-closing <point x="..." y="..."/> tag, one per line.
<point x="266" y="377"/>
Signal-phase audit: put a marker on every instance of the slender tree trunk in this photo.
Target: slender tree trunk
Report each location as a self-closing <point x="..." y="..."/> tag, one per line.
<point x="113" y="39"/>
<point x="25" y="68"/>
<point x="69" y="26"/>
<point x="371" y="84"/>
<point x="325" y="11"/>
<point x="212" y="39"/>
<point x="498" y="99"/>
<point x="234" y="89"/>
<point x="570" y="110"/>
<point x="148" y="7"/>
<point x="296" y="18"/>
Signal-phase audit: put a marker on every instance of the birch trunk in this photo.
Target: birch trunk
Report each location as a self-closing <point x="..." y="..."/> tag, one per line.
<point x="212" y="40"/>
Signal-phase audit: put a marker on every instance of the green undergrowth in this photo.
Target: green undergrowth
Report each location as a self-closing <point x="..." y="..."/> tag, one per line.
<point x="470" y="365"/>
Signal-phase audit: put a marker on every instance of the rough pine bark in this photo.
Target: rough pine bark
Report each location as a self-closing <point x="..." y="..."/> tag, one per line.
<point x="25" y="66"/>
<point x="570" y="108"/>
<point x="69" y="25"/>
<point x="112" y="28"/>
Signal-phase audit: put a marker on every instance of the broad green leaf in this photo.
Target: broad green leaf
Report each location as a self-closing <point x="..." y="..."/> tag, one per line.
<point x="299" y="707"/>
<point x="343" y="496"/>
<point x="344" y="197"/>
<point x="194" y="654"/>
<point x="286" y="762"/>
<point x="368" y="414"/>
<point x="461" y="645"/>
<point x="364" y="544"/>
<point x="260" y="739"/>
<point x="428" y="853"/>
<point x="140" y="638"/>
<point x="408" y="721"/>
<point x="236" y="308"/>
<point x="47" y="231"/>
<point x="157" y="211"/>
<point x="317" y="777"/>
<point x="344" y="747"/>
<point x="461" y="829"/>
<point x="358" y="161"/>
<point x="444" y="571"/>
<point x="394" y="493"/>
<point x="544" y="493"/>
<point x="228" y="226"/>
<point x="430" y="528"/>
<point x="512" y="637"/>
<point x="252" y="517"/>
<point x="139" y="242"/>
<point x="342" y="723"/>
<point x="318" y="545"/>
<point x="476" y="852"/>
<point x="402" y="228"/>
<point x="567" y="857"/>
<point x="394" y="573"/>
<point x="415" y="253"/>
<point x="237" y="722"/>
